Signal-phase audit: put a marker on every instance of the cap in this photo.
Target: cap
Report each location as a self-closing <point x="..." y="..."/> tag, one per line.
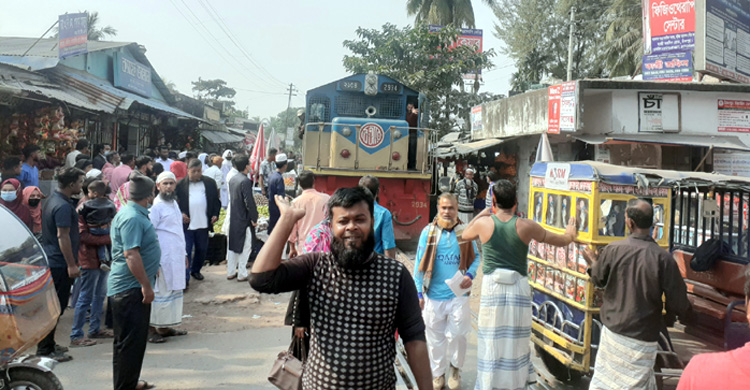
<point x="281" y="157"/>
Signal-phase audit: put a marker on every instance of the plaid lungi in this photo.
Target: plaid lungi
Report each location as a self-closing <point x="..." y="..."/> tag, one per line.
<point x="624" y="363"/>
<point x="503" y="351"/>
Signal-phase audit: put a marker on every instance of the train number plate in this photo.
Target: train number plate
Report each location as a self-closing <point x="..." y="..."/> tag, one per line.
<point x="371" y="135"/>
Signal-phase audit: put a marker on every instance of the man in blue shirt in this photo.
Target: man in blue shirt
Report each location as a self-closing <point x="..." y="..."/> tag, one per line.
<point x="276" y="187"/>
<point x="60" y="240"/>
<point x="29" y="171"/>
<point x="441" y="253"/>
<point x="385" y="242"/>
<point x="136" y="258"/>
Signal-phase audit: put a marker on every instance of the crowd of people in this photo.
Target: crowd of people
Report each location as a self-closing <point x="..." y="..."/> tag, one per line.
<point x="130" y="233"/>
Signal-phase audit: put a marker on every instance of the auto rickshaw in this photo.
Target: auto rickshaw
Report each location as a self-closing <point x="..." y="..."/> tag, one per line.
<point x="565" y="303"/>
<point x="29" y="308"/>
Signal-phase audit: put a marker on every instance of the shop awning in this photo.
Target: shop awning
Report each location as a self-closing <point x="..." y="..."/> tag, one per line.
<point x="717" y="141"/>
<point x="221" y="137"/>
<point x="466" y="148"/>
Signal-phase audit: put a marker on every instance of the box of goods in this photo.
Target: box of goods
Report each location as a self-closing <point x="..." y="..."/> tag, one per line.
<point x="549" y="278"/>
<point x="570" y="287"/>
<point x="559" y="282"/>
<point x="582" y="266"/>
<point x="551" y="254"/>
<point x="571" y="263"/>
<point x="541" y="250"/>
<point x="531" y="271"/>
<point x="532" y="248"/>
<point x="562" y="255"/>
<point x="580" y="290"/>
<point x="540" y="273"/>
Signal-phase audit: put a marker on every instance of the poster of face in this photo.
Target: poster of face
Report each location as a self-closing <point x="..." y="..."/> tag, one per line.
<point x="564" y="212"/>
<point x="553" y="210"/>
<point x="582" y="215"/>
<point x="538" y="200"/>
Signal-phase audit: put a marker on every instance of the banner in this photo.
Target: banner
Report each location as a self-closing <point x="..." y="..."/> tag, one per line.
<point x="553" y="110"/>
<point x="476" y="119"/>
<point x="72" y="34"/>
<point x="676" y="66"/>
<point x="569" y="106"/>
<point x="734" y="116"/>
<point x="669" y="25"/>
<point x="723" y="39"/>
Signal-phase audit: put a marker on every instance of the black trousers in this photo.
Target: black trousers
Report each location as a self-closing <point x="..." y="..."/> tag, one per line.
<point x="131" y="319"/>
<point x="62" y="287"/>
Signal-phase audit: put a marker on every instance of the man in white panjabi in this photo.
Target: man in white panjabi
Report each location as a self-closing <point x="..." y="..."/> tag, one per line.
<point x="165" y="215"/>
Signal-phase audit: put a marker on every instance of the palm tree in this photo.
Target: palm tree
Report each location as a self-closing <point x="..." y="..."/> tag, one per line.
<point x="97" y="33"/>
<point x="624" y="39"/>
<point x="459" y="13"/>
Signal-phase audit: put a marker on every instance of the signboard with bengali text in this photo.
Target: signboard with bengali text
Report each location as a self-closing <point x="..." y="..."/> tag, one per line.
<point x="553" y="110"/>
<point x="670" y="25"/>
<point x="722" y="43"/>
<point x="734" y="116"/>
<point x="72" y="34"/>
<point x="131" y="75"/>
<point x="468" y="37"/>
<point x="677" y="66"/>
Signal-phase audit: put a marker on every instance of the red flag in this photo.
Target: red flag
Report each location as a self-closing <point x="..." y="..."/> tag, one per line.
<point x="259" y="152"/>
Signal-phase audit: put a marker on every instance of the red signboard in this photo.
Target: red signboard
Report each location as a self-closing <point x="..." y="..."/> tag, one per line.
<point x="553" y="123"/>
<point x="670" y="25"/>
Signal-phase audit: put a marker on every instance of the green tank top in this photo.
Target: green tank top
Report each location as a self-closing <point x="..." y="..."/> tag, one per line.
<point x="505" y="249"/>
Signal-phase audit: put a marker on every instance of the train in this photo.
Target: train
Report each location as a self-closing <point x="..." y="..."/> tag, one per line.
<point x="358" y="126"/>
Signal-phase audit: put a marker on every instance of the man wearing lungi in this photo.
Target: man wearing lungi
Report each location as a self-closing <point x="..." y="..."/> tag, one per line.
<point x="441" y="253"/>
<point x="503" y="353"/>
<point x="635" y="273"/>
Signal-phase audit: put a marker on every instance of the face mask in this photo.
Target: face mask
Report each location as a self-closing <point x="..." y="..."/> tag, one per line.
<point x="8" y="196"/>
<point x="34" y="202"/>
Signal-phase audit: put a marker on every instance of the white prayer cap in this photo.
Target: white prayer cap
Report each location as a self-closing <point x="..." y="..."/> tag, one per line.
<point x="164" y="176"/>
<point x="93" y="173"/>
<point x="182" y="154"/>
<point x="281" y="158"/>
<point x="467" y="170"/>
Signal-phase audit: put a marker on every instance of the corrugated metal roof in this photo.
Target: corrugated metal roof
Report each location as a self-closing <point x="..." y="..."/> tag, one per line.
<point x="718" y="141"/>
<point x="101" y="90"/>
<point x="221" y="137"/>
<point x="16" y="46"/>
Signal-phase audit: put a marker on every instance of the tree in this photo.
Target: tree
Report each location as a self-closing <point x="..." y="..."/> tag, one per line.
<point x="95" y="33"/>
<point x="425" y="62"/>
<point x="536" y="33"/>
<point x="624" y="39"/>
<point x="215" y="89"/>
<point x="444" y="12"/>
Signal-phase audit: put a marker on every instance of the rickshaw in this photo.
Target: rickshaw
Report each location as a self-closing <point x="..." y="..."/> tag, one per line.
<point x="565" y="303"/>
<point x="29" y="308"/>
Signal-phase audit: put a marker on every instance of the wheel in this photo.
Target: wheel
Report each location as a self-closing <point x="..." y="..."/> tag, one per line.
<point x="560" y="371"/>
<point x="31" y="379"/>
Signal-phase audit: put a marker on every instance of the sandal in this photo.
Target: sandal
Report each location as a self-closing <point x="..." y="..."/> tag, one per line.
<point x="173" y="332"/>
<point x="144" y="385"/>
<point x="102" y="334"/>
<point x="156" y="338"/>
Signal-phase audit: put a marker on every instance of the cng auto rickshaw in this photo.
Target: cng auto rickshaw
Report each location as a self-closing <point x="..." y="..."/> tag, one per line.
<point x="565" y="303"/>
<point x="29" y="308"/>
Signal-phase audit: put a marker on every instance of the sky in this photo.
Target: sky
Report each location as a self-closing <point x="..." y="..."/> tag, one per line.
<point x="259" y="47"/>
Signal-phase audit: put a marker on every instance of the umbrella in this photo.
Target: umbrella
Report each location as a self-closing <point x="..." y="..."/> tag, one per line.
<point x="259" y="152"/>
<point x="544" y="150"/>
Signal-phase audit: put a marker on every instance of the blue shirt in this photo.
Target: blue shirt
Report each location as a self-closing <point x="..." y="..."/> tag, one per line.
<point x="384" y="238"/>
<point x="275" y="187"/>
<point x="59" y="212"/>
<point x="131" y="229"/>
<point x="447" y="261"/>
<point x="29" y="176"/>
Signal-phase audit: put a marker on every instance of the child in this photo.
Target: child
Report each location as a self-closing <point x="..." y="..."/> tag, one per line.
<point x="98" y="213"/>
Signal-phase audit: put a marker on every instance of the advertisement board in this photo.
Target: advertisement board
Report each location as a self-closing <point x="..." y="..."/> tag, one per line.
<point x="553" y="110"/>
<point x="569" y="106"/>
<point x="658" y="112"/>
<point x="732" y="163"/>
<point x="131" y="75"/>
<point x="669" y="25"/>
<point x="72" y="34"/>
<point x="734" y="116"/>
<point x="476" y="119"/>
<point x="722" y="44"/>
<point x="677" y="66"/>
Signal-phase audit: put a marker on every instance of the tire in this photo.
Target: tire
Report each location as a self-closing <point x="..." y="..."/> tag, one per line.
<point x="556" y="368"/>
<point x="31" y="379"/>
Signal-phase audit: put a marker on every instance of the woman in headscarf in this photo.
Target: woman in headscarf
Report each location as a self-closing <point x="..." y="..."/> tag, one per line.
<point x="203" y="157"/>
<point x="32" y="197"/>
<point x="11" y="196"/>
<point x="179" y="169"/>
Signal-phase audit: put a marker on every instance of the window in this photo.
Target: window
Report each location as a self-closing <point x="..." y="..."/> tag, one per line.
<point x="21" y="256"/>
<point x="612" y="218"/>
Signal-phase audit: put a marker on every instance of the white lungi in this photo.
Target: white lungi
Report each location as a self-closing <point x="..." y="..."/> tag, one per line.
<point x="503" y="352"/>
<point x="237" y="262"/>
<point x="166" y="309"/>
<point x="624" y="363"/>
<point x="446" y="325"/>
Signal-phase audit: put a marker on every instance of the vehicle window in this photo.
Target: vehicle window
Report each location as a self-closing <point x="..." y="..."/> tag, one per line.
<point x="658" y="221"/>
<point x="21" y="257"/>
<point x="612" y="220"/>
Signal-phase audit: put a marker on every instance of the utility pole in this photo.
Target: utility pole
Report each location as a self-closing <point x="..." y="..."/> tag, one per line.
<point x="291" y="90"/>
<point x="570" y="43"/>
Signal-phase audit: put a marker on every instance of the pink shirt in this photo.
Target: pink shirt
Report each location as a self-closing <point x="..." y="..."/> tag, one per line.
<point x="721" y="370"/>
<point x="119" y="177"/>
<point x="314" y="203"/>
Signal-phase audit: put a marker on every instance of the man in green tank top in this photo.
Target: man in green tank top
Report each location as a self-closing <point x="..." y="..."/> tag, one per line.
<point x="503" y="353"/>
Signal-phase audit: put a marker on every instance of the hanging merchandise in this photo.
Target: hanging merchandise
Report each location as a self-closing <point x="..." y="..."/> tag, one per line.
<point x="45" y="127"/>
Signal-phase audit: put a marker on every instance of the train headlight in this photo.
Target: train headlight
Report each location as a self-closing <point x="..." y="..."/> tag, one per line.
<point x="396" y="156"/>
<point x="346" y="131"/>
<point x="397" y="134"/>
<point x="345" y="153"/>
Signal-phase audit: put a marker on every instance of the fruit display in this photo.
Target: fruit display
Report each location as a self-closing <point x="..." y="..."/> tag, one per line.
<point x="45" y="127"/>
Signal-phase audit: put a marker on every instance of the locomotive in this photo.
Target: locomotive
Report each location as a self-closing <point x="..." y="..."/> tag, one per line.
<point x="358" y="126"/>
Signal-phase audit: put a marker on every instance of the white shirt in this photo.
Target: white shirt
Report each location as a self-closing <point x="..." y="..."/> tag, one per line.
<point x="198" y="206"/>
<point x="225" y="190"/>
<point x="70" y="160"/>
<point x="167" y="220"/>
<point x="215" y="173"/>
<point x="165" y="163"/>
